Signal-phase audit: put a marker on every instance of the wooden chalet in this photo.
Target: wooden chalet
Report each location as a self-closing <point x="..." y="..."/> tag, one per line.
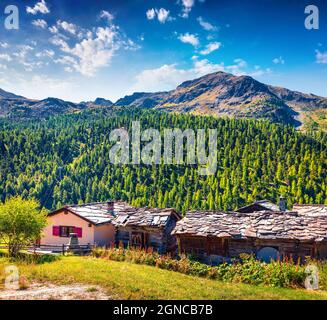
<point x="147" y="228"/>
<point x="216" y="236"/>
<point x="113" y="223"/>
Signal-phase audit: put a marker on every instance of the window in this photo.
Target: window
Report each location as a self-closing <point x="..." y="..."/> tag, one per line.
<point x="66" y="231"/>
<point x="267" y="254"/>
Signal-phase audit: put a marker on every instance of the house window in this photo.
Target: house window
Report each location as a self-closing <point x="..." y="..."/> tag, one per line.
<point x="66" y="231"/>
<point x="268" y="254"/>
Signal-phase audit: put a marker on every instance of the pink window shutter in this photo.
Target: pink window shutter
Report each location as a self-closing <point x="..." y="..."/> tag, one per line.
<point x="55" y="231"/>
<point x="79" y="232"/>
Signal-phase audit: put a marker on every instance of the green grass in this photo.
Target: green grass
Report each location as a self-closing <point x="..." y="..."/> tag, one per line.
<point x="124" y="280"/>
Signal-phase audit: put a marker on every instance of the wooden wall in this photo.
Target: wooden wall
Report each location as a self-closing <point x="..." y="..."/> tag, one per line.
<point x="160" y="240"/>
<point x="203" y="247"/>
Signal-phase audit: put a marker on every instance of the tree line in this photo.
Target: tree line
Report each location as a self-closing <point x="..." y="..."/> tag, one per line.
<point x="65" y="160"/>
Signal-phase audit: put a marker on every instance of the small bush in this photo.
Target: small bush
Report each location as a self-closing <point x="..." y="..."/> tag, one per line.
<point x="246" y="270"/>
<point x="23" y="283"/>
<point x="35" y="258"/>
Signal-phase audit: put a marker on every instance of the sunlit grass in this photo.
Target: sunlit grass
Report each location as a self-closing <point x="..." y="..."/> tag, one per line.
<point x="123" y="280"/>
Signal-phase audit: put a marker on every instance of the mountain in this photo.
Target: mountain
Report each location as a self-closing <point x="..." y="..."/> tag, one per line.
<point x="18" y="108"/>
<point x="8" y="95"/>
<point x="220" y="94"/>
<point x="52" y="106"/>
<point x="98" y="103"/>
<point x="10" y="102"/>
<point x="223" y="94"/>
<point x="102" y="102"/>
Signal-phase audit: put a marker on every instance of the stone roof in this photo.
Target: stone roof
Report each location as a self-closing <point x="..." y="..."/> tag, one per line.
<point x="261" y="225"/>
<point x="98" y="213"/>
<point x="311" y="209"/>
<point x="265" y="204"/>
<point x="146" y="217"/>
<point x="120" y="214"/>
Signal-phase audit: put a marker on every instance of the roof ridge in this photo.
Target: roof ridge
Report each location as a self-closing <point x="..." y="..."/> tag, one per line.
<point x="309" y="205"/>
<point x="94" y="203"/>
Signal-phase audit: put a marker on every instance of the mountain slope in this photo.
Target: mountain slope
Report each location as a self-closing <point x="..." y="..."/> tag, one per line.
<point x="224" y="94"/>
<point x="8" y="95"/>
<point x="219" y="94"/>
<point x="103" y="102"/>
<point x="18" y="108"/>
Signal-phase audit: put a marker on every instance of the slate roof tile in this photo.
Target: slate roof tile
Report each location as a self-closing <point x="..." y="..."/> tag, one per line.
<point x="262" y="225"/>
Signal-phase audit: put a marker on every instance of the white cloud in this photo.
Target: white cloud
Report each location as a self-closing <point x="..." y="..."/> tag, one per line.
<point x="238" y="67"/>
<point x="107" y="15"/>
<point x="162" y="14"/>
<point x="59" y="42"/>
<point x="41" y="86"/>
<point x="5" y="57"/>
<point x="53" y="29"/>
<point x="206" y="25"/>
<point x="187" y="7"/>
<point x="211" y="47"/>
<point x="4" y="45"/>
<point x="23" y="57"/>
<point x="279" y="60"/>
<point x="165" y="77"/>
<point x="168" y="77"/>
<point x="321" y="57"/>
<point x="21" y="54"/>
<point x="151" y="14"/>
<point x="91" y="53"/>
<point x="68" y="27"/>
<point x="258" y="72"/>
<point x="40" y="23"/>
<point x="189" y="38"/>
<point x="45" y="54"/>
<point x="40" y="7"/>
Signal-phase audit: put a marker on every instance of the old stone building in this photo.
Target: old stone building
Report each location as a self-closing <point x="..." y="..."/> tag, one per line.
<point x="113" y="223"/>
<point x="147" y="228"/>
<point x="215" y="236"/>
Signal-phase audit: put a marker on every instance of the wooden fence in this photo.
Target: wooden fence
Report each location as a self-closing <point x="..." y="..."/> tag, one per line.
<point x="53" y="249"/>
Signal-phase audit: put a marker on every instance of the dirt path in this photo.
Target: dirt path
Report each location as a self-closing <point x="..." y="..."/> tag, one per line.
<point x="54" y="292"/>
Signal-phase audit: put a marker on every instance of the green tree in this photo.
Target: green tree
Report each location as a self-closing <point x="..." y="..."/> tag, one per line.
<point x="21" y="223"/>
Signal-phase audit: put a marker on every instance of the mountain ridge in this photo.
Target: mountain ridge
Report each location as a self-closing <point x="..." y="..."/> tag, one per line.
<point x="219" y="94"/>
<point x="223" y="94"/>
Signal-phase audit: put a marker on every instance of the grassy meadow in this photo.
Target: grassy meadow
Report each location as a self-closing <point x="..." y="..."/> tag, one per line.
<point x="124" y="280"/>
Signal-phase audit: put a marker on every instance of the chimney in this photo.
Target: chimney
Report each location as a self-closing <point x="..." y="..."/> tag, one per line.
<point x="282" y="204"/>
<point x="110" y="206"/>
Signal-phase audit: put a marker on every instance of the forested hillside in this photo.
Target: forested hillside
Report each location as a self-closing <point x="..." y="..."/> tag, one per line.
<point x="65" y="160"/>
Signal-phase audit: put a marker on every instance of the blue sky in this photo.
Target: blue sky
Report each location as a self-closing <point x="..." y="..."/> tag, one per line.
<point x="80" y="50"/>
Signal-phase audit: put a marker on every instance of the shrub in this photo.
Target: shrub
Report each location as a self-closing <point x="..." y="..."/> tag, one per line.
<point x="246" y="270"/>
<point x="35" y="258"/>
<point x="21" y="223"/>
